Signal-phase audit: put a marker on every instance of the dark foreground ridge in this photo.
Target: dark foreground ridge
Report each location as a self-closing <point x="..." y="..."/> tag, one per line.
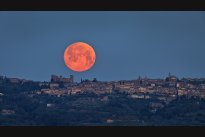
<point x="144" y="101"/>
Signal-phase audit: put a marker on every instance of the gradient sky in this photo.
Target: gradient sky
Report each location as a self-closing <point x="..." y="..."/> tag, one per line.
<point x="127" y="43"/>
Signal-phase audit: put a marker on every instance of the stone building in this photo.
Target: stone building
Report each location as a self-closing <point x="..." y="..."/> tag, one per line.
<point x="171" y="80"/>
<point x="60" y="79"/>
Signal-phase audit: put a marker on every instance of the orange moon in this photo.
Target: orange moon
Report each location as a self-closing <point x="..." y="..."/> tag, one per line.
<point x="79" y="56"/>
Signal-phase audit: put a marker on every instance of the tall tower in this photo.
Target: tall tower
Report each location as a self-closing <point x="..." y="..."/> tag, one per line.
<point x="71" y="78"/>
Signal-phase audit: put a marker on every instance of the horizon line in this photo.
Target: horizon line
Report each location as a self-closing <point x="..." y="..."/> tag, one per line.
<point x="141" y="77"/>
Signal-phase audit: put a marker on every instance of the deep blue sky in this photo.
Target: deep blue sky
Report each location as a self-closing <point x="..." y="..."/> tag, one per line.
<point x="127" y="44"/>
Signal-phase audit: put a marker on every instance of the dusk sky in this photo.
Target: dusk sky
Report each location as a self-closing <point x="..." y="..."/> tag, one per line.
<point x="127" y="43"/>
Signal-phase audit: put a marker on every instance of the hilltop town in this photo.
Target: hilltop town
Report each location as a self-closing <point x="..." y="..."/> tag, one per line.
<point x="133" y="102"/>
<point x="58" y="85"/>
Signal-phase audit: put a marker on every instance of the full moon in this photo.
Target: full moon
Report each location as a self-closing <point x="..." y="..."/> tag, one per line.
<point x="79" y="56"/>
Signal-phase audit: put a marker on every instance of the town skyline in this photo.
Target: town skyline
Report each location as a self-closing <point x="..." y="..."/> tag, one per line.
<point x="95" y="78"/>
<point x="63" y="86"/>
